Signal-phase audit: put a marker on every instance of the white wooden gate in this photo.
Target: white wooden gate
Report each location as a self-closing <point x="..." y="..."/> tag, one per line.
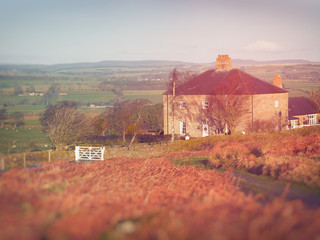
<point x="89" y="153"/>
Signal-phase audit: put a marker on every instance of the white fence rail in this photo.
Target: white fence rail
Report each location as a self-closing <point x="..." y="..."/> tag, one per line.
<point x="89" y="153"/>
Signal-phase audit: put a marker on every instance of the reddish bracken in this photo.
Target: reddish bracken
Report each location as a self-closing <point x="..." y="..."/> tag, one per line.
<point x="141" y="199"/>
<point x="296" y="146"/>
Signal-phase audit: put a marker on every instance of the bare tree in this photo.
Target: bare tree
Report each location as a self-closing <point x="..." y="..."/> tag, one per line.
<point x="152" y="118"/>
<point x="125" y="114"/>
<point x="53" y="89"/>
<point x="227" y="107"/>
<point x="101" y="124"/>
<point x="63" y="124"/>
<point x="134" y="129"/>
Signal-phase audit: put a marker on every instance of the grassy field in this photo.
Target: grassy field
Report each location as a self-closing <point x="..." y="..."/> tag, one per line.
<point x="30" y="105"/>
<point x="298" y="80"/>
<point x="28" y="137"/>
<point x="154" y="96"/>
<point x="27" y="110"/>
<point x="14" y="140"/>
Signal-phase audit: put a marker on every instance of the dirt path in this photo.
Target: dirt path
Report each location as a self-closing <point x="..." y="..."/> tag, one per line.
<point x="271" y="188"/>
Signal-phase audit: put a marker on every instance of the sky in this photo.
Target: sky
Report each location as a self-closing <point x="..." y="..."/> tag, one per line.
<point x="70" y="31"/>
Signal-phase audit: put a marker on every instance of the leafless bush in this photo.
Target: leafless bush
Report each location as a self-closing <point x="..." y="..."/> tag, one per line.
<point x="261" y="126"/>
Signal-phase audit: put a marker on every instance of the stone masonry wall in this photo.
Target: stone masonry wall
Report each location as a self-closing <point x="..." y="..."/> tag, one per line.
<point x="260" y="107"/>
<point x="137" y="150"/>
<point x="264" y="107"/>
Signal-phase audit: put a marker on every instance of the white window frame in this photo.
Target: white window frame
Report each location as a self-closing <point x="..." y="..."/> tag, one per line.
<point x="312" y="119"/>
<point x="205" y="104"/>
<point x="293" y="124"/>
<point x="182" y="104"/>
<point x="276" y="103"/>
<point x="183" y="127"/>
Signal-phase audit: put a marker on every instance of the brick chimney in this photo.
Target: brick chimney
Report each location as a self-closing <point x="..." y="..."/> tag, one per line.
<point x="223" y="63"/>
<point x="277" y="81"/>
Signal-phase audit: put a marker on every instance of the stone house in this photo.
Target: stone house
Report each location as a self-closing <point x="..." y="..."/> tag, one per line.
<point x="195" y="102"/>
<point x="302" y="113"/>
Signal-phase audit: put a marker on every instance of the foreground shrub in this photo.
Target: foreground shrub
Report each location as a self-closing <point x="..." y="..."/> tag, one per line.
<point x="308" y="145"/>
<point x="286" y="159"/>
<point x="261" y="126"/>
<point x="301" y="170"/>
<point x="228" y="154"/>
<point x="142" y="199"/>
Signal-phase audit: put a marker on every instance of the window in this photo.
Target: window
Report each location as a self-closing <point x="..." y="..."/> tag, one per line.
<point x="205" y="104"/>
<point x="182" y="105"/>
<point x="183" y="127"/>
<point x="276" y="104"/>
<point x="312" y="119"/>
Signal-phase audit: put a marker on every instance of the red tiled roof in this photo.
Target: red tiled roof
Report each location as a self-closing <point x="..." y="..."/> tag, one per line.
<point x="235" y="82"/>
<point x="301" y="106"/>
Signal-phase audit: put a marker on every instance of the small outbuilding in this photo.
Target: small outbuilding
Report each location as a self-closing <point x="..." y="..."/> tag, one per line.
<point x="302" y="113"/>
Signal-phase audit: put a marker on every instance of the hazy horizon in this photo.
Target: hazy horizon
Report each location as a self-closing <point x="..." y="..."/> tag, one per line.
<point x="41" y="32"/>
<point x="289" y="61"/>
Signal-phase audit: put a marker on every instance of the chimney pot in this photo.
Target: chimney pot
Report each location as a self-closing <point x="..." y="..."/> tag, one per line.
<point x="277" y="81"/>
<point x="223" y="63"/>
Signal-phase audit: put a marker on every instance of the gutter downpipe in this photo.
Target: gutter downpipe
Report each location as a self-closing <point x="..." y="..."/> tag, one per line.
<point x="167" y="115"/>
<point x="252" y="111"/>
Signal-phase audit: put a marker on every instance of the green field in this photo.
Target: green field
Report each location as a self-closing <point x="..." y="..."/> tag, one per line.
<point x="16" y="140"/>
<point x="30" y="105"/>
<point x="154" y="96"/>
<point x="298" y="80"/>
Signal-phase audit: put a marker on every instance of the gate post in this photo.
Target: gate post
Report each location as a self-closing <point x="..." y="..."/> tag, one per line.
<point x="76" y="152"/>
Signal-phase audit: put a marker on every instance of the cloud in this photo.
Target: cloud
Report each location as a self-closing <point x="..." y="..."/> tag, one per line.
<point x="263" y="46"/>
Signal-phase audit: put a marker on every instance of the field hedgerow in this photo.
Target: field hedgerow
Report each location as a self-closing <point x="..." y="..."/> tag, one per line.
<point x="142" y="199"/>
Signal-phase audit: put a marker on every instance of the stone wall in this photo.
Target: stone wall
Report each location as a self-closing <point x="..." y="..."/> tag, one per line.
<point x="191" y="114"/>
<point x="271" y="107"/>
<point x="137" y="151"/>
<point x="34" y="159"/>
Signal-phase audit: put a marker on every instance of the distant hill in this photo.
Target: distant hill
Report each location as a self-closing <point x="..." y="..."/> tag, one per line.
<point x="254" y="62"/>
<point x="145" y="63"/>
<point x="163" y="63"/>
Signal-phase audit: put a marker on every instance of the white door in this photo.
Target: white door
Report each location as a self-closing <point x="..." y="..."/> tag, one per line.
<point x="205" y="130"/>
